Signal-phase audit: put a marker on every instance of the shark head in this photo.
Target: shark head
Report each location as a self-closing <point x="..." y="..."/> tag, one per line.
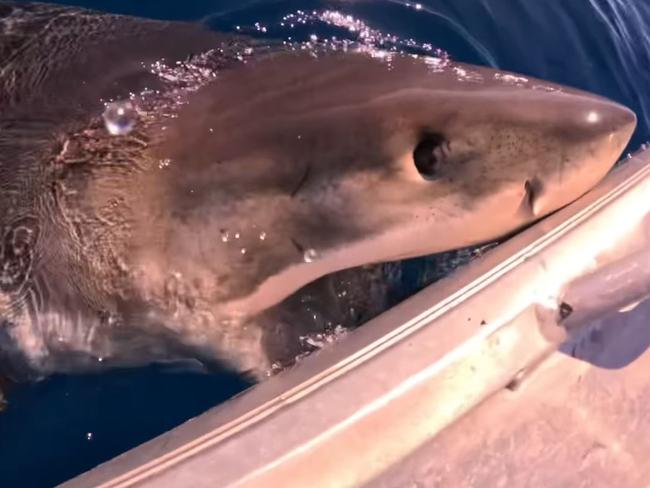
<point x="293" y="167"/>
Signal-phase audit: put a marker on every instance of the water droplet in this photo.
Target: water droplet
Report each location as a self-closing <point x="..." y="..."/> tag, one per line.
<point x="262" y="236"/>
<point x="236" y="235"/>
<point x="310" y="255"/>
<point x="120" y="117"/>
<point x="243" y="250"/>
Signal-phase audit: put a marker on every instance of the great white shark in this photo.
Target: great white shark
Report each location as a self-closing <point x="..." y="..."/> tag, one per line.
<point x="250" y="170"/>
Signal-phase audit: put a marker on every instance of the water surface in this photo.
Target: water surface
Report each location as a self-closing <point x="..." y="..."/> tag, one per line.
<point x="65" y="425"/>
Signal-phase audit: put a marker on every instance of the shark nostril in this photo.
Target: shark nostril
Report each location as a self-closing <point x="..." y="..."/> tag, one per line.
<point x="532" y="191"/>
<point x="429" y="153"/>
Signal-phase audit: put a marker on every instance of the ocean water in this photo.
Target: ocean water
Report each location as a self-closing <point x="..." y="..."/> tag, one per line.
<point x="65" y="425"/>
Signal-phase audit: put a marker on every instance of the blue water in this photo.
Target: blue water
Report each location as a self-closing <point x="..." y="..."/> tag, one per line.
<point x="65" y="425"/>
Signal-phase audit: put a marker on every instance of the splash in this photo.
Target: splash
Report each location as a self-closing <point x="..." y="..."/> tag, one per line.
<point x="359" y="35"/>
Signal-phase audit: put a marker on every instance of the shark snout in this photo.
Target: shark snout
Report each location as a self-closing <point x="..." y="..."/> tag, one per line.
<point x="595" y="134"/>
<point x="608" y="124"/>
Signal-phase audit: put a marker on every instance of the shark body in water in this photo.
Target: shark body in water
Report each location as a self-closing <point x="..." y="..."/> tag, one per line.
<point x="164" y="186"/>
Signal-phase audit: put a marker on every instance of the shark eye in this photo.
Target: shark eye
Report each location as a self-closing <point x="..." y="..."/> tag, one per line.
<point x="429" y="154"/>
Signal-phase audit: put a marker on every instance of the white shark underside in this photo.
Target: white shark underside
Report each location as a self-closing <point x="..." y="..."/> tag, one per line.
<point x="251" y="171"/>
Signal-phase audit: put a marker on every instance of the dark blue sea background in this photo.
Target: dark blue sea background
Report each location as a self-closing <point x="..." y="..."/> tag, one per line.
<point x="65" y="425"/>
